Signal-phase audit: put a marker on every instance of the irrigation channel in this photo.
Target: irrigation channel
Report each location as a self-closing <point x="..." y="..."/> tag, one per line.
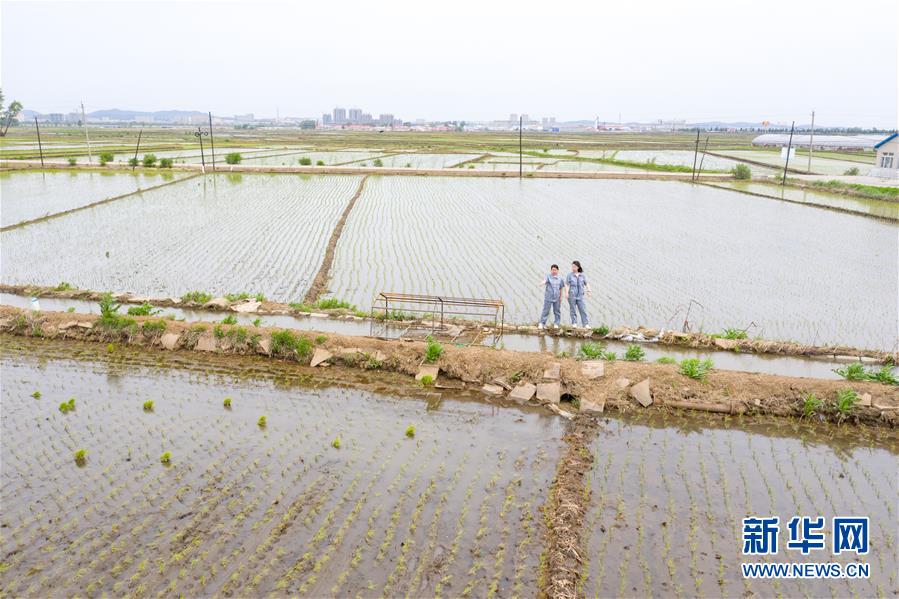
<point x="358" y="483"/>
<point x="813" y="367"/>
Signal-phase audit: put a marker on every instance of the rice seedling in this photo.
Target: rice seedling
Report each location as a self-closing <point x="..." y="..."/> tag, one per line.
<point x="229" y="319"/>
<point x="261" y="422"/>
<point x="695" y="368"/>
<point x="591" y="351"/>
<point x="65" y="286"/>
<point x="426" y="381"/>
<point x="852" y="372"/>
<point x="227" y="403"/>
<point x="634" y="353"/>
<point x="410" y="431"/>
<point x="332" y="303"/>
<point x="67" y="406"/>
<point x="144" y="309"/>
<point x="36" y="395"/>
<point x="70" y="309"/>
<point x="166" y="458"/>
<point x="811" y="405"/>
<point x="433" y="351"/>
<point x="845" y="403"/>
<point x="336" y="443"/>
<point x="80" y="457"/>
<point x="884" y="375"/>
<point x="320" y="339"/>
<point x="610" y="356"/>
<point x="732" y="333"/>
<point x="301" y="307"/>
<point x="601" y="330"/>
<point x="148" y="405"/>
<point x="257" y="322"/>
<point x="666" y="360"/>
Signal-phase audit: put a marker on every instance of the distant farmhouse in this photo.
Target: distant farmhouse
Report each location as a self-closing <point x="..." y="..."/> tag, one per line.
<point x="887" y="164"/>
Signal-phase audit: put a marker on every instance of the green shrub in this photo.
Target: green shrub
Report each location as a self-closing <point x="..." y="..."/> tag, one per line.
<point x="166" y="163"/>
<point x="286" y="344"/>
<point x="305" y="161"/>
<point x="811" y="405"/>
<point x="433" y="351"/>
<point x="666" y="360"/>
<point x="378" y="162"/>
<point x="592" y="351"/>
<point x="233" y="158"/>
<point x="851" y="172"/>
<point x="741" y="171"/>
<point x="229" y="319"/>
<point x="133" y="161"/>
<point x="144" y="309"/>
<point x="106" y="157"/>
<point x="73" y="161"/>
<point x="149" y="160"/>
<point x="196" y="297"/>
<point x="601" y="330"/>
<point x="634" y="353"/>
<point x="320" y="339"/>
<point x="695" y="368"/>
<point x="320" y="163"/>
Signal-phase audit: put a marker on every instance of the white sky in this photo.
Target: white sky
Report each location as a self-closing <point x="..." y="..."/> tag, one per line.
<point x="476" y="60"/>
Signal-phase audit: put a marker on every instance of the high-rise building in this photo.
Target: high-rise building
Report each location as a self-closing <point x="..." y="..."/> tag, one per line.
<point x="355" y="115"/>
<point x="513" y="118"/>
<point x="326" y="119"/>
<point x="339" y="116"/>
<point x="385" y="119"/>
<point x="525" y="119"/>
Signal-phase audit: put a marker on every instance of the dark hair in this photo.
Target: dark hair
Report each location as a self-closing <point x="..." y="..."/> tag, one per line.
<point x="556" y="266"/>
<point x="578" y="264"/>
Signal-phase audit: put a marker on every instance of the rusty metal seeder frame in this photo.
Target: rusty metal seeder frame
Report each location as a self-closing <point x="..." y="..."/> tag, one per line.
<point x="438" y="308"/>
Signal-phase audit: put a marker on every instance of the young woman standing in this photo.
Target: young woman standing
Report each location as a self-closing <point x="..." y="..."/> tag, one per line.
<point x="578" y="290"/>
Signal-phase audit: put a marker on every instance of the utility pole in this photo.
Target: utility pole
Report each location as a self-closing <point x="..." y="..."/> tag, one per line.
<point x="789" y="147"/>
<point x="136" y="148"/>
<point x="811" y="142"/>
<point x="519" y="147"/>
<point x="39" y="146"/>
<point x="212" y="142"/>
<point x="695" y="154"/>
<point x="90" y="158"/>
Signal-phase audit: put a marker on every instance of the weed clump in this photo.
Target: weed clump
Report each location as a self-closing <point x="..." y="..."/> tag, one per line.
<point x="845" y="404"/>
<point x="378" y="162"/>
<point x="601" y="330"/>
<point x="233" y="158"/>
<point x="286" y="344"/>
<point x="433" y="351"/>
<point x="332" y="303"/>
<point x="666" y="360"/>
<point x="229" y="319"/>
<point x="305" y="161"/>
<point x="72" y="161"/>
<point x="857" y="372"/>
<point x="741" y="171"/>
<point x="811" y="405"/>
<point x="196" y="297"/>
<point x="426" y="381"/>
<point x="410" y="431"/>
<point x="149" y="160"/>
<point x="65" y="286"/>
<point x="166" y="163"/>
<point x="592" y="351"/>
<point x="106" y="157"/>
<point x="319" y="163"/>
<point x="144" y="309"/>
<point x="695" y="368"/>
<point x="634" y="353"/>
<point x="734" y="334"/>
<point x="851" y="172"/>
<point x="320" y="339"/>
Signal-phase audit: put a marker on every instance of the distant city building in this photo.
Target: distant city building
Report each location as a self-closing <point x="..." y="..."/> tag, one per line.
<point x="244" y="119"/>
<point x="326" y="119"/>
<point x="339" y="116"/>
<point x="385" y="119"/>
<point x="525" y="119"/>
<point x="55" y="117"/>
<point x="355" y="115"/>
<point x="513" y="118"/>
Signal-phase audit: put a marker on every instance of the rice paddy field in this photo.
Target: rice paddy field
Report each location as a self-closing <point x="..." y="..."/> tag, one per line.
<point x="265" y="233"/>
<point x="821" y="166"/>
<point x="669" y="495"/>
<point x="333" y="495"/>
<point x="648" y="248"/>
<point x="34" y="194"/>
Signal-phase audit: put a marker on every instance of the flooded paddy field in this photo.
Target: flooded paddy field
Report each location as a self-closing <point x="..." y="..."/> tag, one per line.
<point x="820" y="165"/>
<point x="447" y="509"/>
<point x="426" y="161"/>
<point x="27" y="195"/>
<point x="668" y="495"/>
<point x="648" y="248"/>
<point x="685" y="158"/>
<point x="878" y="208"/>
<point x="265" y="233"/>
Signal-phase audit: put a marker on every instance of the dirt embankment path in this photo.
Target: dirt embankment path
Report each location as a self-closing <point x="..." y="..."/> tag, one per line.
<point x="320" y="282"/>
<point x="614" y="386"/>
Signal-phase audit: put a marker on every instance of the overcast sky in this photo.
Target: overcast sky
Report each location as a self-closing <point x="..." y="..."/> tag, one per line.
<point x="702" y="60"/>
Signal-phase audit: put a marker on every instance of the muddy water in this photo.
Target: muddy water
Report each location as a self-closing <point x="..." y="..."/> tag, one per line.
<point x="669" y="493"/>
<point x="821" y="368"/>
<point x="244" y="510"/>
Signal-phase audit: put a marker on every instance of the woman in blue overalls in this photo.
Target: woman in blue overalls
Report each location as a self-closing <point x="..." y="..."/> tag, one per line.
<point x="578" y="290"/>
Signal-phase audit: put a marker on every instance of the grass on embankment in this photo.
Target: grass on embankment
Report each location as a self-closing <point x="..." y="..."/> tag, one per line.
<point x="872" y="192"/>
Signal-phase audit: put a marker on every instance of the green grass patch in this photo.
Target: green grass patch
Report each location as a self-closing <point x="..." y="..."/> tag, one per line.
<point x="144" y="309"/>
<point x="695" y="368"/>
<point x="196" y="297"/>
<point x="433" y="351"/>
<point x="286" y="344"/>
<point x="634" y="353"/>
